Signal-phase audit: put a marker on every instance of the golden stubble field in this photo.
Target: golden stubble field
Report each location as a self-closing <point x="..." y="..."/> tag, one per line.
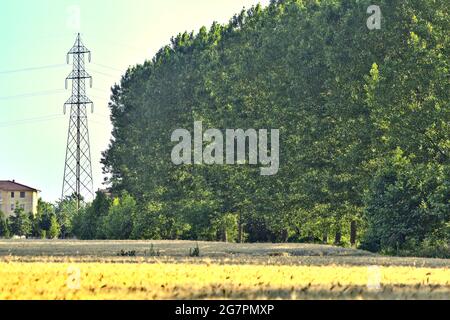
<point x="260" y="271"/>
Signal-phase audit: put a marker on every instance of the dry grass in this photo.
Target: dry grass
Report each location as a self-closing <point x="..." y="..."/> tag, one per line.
<point x="166" y="248"/>
<point x="198" y="281"/>
<point x="92" y="270"/>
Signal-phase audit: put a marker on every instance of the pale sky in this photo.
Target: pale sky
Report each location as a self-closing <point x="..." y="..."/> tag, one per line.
<point x="36" y="35"/>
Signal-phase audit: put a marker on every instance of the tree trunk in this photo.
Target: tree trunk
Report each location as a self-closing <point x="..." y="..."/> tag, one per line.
<point x="239" y="240"/>
<point x="353" y="230"/>
<point x="224" y="235"/>
<point x="298" y="232"/>
<point x="325" y="238"/>
<point x="221" y="235"/>
<point x="284" y="235"/>
<point x="337" y="238"/>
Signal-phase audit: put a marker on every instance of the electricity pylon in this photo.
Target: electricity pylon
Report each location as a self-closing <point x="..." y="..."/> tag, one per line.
<point x="78" y="170"/>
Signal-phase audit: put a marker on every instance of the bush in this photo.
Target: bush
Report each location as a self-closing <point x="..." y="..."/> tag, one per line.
<point x="66" y="210"/>
<point x="118" y="224"/>
<point x="194" y="252"/>
<point x="125" y="253"/>
<point x="156" y="220"/>
<point x="21" y="224"/>
<point x="226" y="227"/>
<point x="55" y="229"/>
<point x="4" y="226"/>
<point x="434" y="249"/>
<point x="42" y="220"/>
<point x="153" y="252"/>
<point x="408" y="204"/>
<point x="87" y="223"/>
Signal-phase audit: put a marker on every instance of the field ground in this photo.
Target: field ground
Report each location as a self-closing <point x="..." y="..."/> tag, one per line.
<point x="46" y="269"/>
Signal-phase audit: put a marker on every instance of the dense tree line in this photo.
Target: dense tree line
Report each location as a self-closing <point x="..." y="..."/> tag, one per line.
<point x="364" y="123"/>
<point x="46" y="223"/>
<point x="363" y="116"/>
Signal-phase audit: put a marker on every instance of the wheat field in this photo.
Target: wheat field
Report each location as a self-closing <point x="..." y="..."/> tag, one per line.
<point x="163" y="270"/>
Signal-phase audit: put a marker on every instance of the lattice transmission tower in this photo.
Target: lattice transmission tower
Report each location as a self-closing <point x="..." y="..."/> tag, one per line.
<point x="78" y="170"/>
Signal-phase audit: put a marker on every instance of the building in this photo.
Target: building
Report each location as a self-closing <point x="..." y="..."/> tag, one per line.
<point x="13" y="194"/>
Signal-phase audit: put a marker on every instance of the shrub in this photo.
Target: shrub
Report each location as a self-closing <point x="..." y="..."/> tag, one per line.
<point x="406" y="205"/>
<point x="152" y="252"/>
<point x="118" y="224"/>
<point x="88" y="222"/>
<point x="434" y="249"/>
<point x="55" y="229"/>
<point x="21" y="223"/>
<point x="4" y="226"/>
<point x="124" y="253"/>
<point x="194" y="252"/>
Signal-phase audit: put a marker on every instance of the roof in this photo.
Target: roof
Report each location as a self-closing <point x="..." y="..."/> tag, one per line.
<point x="7" y="185"/>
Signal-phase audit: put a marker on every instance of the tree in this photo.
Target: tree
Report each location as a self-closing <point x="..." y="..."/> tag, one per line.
<point x="21" y="224"/>
<point x="4" y="226"/>
<point x="42" y="220"/>
<point x="344" y="98"/>
<point x="407" y="204"/>
<point x="88" y="222"/>
<point x="66" y="210"/>
<point x="54" y="230"/>
<point x="118" y="224"/>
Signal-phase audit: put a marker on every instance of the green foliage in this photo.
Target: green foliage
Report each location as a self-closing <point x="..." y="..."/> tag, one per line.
<point x="344" y="98"/>
<point x="118" y="224"/>
<point x="4" y="226"/>
<point x="41" y="222"/>
<point x="127" y="253"/>
<point x="226" y="227"/>
<point x="54" y="230"/>
<point x="432" y="249"/>
<point x="21" y="223"/>
<point x="88" y="222"/>
<point x="194" y="252"/>
<point x="407" y="205"/>
<point x="158" y="221"/>
<point x="66" y="210"/>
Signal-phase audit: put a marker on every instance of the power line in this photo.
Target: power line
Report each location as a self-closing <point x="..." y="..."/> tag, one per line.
<point x="107" y="67"/>
<point x="29" y="121"/>
<point x="120" y="44"/>
<point x="105" y="74"/>
<point x="33" y="94"/>
<point x="101" y="116"/>
<point x="99" y="98"/>
<point x="104" y="124"/>
<point x="103" y="91"/>
<point x="47" y="93"/>
<point x="54" y="66"/>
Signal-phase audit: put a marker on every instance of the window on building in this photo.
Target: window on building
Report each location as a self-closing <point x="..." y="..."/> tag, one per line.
<point x="22" y="194"/>
<point x="12" y="207"/>
<point x="12" y="194"/>
<point x="22" y="206"/>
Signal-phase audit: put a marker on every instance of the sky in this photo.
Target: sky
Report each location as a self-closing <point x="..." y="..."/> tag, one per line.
<point x="36" y="36"/>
